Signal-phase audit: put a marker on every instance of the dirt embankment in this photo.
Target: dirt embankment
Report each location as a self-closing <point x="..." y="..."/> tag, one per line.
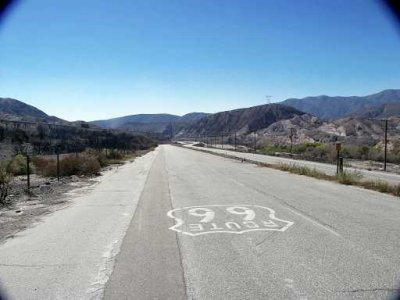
<point x="46" y="195"/>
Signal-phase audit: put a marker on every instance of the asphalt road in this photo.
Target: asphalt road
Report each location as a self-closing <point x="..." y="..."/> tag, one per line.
<point x="207" y="227"/>
<point x="331" y="242"/>
<point x="322" y="167"/>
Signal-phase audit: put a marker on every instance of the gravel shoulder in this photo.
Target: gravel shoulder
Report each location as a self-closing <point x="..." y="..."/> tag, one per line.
<point x="46" y="196"/>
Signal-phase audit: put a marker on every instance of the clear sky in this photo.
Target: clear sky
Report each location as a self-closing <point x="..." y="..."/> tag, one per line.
<point x="95" y="59"/>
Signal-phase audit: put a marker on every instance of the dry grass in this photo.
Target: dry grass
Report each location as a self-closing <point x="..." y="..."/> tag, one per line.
<point x="381" y="186"/>
<point x="347" y="178"/>
<point x="5" y="180"/>
<point x="301" y="170"/>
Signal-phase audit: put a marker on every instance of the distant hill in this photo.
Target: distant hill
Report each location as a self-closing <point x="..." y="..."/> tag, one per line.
<point x="148" y="122"/>
<point x="194" y="116"/>
<point x="379" y="111"/>
<point x="156" y="127"/>
<point x="243" y="121"/>
<point x="141" y="118"/>
<point x="15" y="110"/>
<point x="327" y="107"/>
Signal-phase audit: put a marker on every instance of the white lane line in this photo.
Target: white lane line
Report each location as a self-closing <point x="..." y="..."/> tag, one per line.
<point x="289" y="284"/>
<point x="237" y="182"/>
<point x="314" y="222"/>
<point x="289" y="208"/>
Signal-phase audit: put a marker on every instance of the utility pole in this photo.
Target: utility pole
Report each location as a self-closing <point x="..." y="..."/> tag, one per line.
<point x="235" y="141"/>
<point x="222" y="141"/>
<point x="255" y="142"/>
<point x="385" y="159"/>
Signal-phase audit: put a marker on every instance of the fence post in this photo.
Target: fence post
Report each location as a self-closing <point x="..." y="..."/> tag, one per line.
<point x="385" y="158"/>
<point x="28" y="171"/>
<point x="58" y="165"/>
<point x="341" y="164"/>
<point x="235" y="141"/>
<point x="291" y="141"/>
<point x="338" y="147"/>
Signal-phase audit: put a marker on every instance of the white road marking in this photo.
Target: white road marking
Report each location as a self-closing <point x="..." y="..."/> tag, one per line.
<point x="314" y="222"/>
<point x="289" y="283"/>
<point x="237" y="182"/>
<point x="238" y="219"/>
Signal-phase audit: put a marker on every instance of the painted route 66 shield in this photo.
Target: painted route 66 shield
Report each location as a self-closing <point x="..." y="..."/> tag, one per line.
<point x="199" y="220"/>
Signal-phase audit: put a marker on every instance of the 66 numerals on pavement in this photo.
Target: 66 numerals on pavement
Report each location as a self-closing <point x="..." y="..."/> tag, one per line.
<point x="237" y="219"/>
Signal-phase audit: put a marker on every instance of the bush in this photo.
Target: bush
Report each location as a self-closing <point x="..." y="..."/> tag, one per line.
<point x="45" y="166"/>
<point x="114" y="154"/>
<point x="69" y="165"/>
<point x="84" y="164"/>
<point x="88" y="165"/>
<point x="5" y="180"/>
<point x="17" y="166"/>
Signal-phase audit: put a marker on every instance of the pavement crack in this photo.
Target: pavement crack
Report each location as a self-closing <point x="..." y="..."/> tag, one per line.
<point x="369" y="290"/>
<point x="35" y="266"/>
<point x="178" y="244"/>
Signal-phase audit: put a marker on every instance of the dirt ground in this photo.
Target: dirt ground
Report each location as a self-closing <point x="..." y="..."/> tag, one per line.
<point x="46" y="195"/>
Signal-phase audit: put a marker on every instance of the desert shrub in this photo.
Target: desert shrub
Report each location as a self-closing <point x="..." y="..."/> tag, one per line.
<point x="69" y="165"/>
<point x="5" y="180"/>
<point x="88" y="165"/>
<point x="99" y="155"/>
<point x="17" y="166"/>
<point x="84" y="164"/>
<point x="272" y="149"/>
<point x="45" y="166"/>
<point x="114" y="154"/>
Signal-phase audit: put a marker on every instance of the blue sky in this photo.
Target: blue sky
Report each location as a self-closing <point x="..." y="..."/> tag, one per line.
<point x="98" y="59"/>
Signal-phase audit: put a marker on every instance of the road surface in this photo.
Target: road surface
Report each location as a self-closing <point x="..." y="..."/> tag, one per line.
<point x="322" y="167"/>
<point x="181" y="224"/>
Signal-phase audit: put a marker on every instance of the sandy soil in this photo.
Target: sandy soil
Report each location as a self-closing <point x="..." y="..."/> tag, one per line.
<point x="45" y="196"/>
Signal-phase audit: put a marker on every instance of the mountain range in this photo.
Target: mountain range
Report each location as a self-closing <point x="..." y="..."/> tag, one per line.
<point x="326" y="107"/>
<point x="241" y="121"/>
<point x="157" y="123"/>
<point x="319" y="118"/>
<point x="15" y="110"/>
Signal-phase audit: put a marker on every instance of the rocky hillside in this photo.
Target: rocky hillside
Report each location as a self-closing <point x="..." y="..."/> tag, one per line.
<point x="326" y="107"/>
<point x="21" y="123"/>
<point x="382" y="111"/>
<point x="15" y="110"/>
<point x="350" y="130"/>
<point x="243" y="121"/>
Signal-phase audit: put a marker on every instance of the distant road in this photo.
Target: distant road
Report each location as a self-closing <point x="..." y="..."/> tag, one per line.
<point x="323" y="167"/>
<point x="182" y="224"/>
